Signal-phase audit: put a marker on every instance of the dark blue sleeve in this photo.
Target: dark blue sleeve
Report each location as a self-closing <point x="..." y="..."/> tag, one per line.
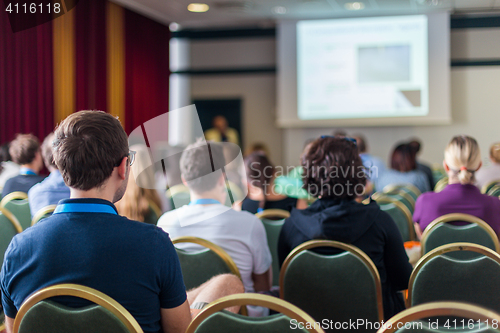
<point x="9" y="308"/>
<point x="173" y="291"/>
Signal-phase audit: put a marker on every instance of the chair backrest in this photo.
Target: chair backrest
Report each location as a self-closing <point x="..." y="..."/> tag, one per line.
<point x="273" y="229"/>
<point x="273" y="214"/>
<point x="338" y="287"/>
<point x="488" y="186"/>
<point x="17" y="204"/>
<point x="9" y="227"/>
<point x="400" y="196"/>
<point x="418" y="319"/>
<point x="411" y="189"/>
<point x="440" y="232"/>
<point x="401" y="216"/>
<point x="494" y="191"/>
<point x="43" y="213"/>
<point x="153" y="214"/>
<point x="179" y="195"/>
<point x="213" y="318"/>
<point x="37" y="314"/>
<point x="439" y="277"/>
<point x="441" y="184"/>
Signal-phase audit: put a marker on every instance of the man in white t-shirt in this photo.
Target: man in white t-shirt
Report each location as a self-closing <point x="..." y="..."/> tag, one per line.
<point x="240" y="234"/>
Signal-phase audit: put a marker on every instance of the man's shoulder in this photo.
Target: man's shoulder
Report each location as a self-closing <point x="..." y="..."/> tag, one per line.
<point x="221" y="212"/>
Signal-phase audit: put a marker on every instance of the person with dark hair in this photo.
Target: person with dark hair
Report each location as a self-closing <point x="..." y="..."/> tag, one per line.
<point x="8" y="169"/>
<point x="416" y="147"/>
<point x="373" y="164"/>
<point x="333" y="173"/>
<point x="240" y="234"/>
<point x="52" y="189"/>
<point x="25" y="151"/>
<point x="403" y="170"/>
<point x="261" y="194"/>
<point x="86" y="242"/>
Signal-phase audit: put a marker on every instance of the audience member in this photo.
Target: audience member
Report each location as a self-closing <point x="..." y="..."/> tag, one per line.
<point x="492" y="172"/>
<point x="373" y="164"/>
<point x="221" y="132"/>
<point x="337" y="216"/>
<point x="403" y="170"/>
<point x="8" y="169"/>
<point x="257" y="147"/>
<point x="261" y="191"/>
<point x="240" y="234"/>
<point x="86" y="242"/>
<point x="25" y="151"/>
<point x="141" y="194"/>
<point x="51" y="189"/>
<point x="462" y="158"/>
<point x="416" y="147"/>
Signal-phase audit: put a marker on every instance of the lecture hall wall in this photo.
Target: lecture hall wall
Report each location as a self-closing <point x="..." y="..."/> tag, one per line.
<point x="475" y="96"/>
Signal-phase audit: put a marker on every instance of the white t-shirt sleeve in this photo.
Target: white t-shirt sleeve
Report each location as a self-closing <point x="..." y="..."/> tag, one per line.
<point x="260" y="250"/>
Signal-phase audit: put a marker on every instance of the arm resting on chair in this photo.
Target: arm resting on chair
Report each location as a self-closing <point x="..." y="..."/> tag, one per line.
<point x="9" y="324"/>
<point x="175" y="320"/>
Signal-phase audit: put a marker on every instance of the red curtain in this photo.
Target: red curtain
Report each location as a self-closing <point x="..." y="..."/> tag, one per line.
<point x="26" y="88"/>
<point x="90" y="49"/>
<point x="146" y="69"/>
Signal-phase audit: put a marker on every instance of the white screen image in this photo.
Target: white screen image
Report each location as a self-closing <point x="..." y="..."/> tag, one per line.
<point x="363" y="68"/>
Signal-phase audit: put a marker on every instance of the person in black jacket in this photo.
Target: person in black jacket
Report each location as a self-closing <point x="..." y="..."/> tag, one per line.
<point x="334" y="173"/>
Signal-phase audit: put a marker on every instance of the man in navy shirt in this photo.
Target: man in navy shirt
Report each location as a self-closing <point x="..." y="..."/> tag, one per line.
<point x="86" y="242"/>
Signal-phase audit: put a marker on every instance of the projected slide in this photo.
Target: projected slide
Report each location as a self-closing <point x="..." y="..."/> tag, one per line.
<point x="362" y="68"/>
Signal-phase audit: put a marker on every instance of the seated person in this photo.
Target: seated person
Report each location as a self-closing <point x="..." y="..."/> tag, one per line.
<point x="8" y="169"/>
<point x="462" y="158"/>
<point x="25" y="151"/>
<point x="51" y="189"/>
<point x="491" y="173"/>
<point x="261" y="191"/>
<point x="403" y="171"/>
<point x="373" y="164"/>
<point x="221" y="132"/>
<point x="86" y="242"/>
<point x="416" y="146"/>
<point x="240" y="234"/>
<point x="337" y="216"/>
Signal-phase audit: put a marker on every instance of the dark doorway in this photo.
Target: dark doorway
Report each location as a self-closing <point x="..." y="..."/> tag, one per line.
<point x="229" y="108"/>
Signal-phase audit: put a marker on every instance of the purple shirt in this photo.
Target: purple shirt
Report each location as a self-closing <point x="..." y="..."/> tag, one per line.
<point x="457" y="198"/>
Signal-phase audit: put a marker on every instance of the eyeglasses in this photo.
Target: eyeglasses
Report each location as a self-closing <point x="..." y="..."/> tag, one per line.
<point x="130" y="156"/>
<point x="341" y="137"/>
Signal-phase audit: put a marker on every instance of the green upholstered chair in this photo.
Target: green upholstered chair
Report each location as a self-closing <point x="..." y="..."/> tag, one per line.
<point x="214" y="319"/>
<point x="411" y="189"/>
<point x="9" y="227"/>
<point x="400" y="196"/>
<point x="440" y="232"/>
<point x="273" y="220"/>
<point x="439" y="277"/>
<point x="17" y="204"/>
<point x="441" y="184"/>
<point x="153" y="215"/>
<point x="338" y="287"/>
<point x="38" y="314"/>
<point x="419" y="319"/>
<point x="43" y="213"/>
<point x="178" y="195"/>
<point x="401" y="216"/>
<point x="488" y="186"/>
<point x="494" y="191"/>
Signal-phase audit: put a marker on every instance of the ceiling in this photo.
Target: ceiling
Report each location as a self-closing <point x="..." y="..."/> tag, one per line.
<point x="238" y="13"/>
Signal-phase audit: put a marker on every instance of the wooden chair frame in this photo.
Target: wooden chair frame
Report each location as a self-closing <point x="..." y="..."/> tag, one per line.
<point x="454" y="217"/>
<point x="270" y="213"/>
<point x="338" y="245"/>
<point x="13" y="196"/>
<point x="441" y="184"/>
<point x="270" y="302"/>
<point x="42" y="212"/>
<point x="87" y="293"/>
<point x="445" y="249"/>
<point x="434" y="309"/>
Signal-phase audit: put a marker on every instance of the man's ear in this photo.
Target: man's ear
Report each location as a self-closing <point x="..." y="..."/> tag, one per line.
<point x="122" y="168"/>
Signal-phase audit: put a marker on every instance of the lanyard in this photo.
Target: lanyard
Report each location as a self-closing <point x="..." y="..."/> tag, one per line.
<point x="204" y="202"/>
<point x="26" y="171"/>
<point x="84" y="208"/>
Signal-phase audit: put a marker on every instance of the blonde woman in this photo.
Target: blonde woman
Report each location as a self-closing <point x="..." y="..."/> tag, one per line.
<point x="491" y="173"/>
<point x="141" y="201"/>
<point x="462" y="158"/>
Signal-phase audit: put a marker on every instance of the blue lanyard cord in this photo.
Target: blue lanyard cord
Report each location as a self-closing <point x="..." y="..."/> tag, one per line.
<point x="26" y="171"/>
<point x="204" y="202"/>
<point x="84" y="208"/>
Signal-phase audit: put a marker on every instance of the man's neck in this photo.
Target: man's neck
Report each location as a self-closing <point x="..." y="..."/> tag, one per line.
<point x="91" y="194"/>
<point x="206" y="195"/>
<point x="31" y="167"/>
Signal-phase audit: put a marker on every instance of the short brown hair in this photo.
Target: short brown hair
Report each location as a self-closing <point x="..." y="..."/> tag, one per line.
<point x="403" y="158"/>
<point x="332" y="168"/>
<point x="48" y="156"/>
<point x="23" y="148"/>
<point x="201" y="159"/>
<point x="88" y="145"/>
